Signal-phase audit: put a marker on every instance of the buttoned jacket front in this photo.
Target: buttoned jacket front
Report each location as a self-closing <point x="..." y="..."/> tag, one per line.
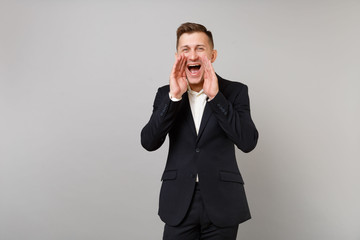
<point x="210" y="154"/>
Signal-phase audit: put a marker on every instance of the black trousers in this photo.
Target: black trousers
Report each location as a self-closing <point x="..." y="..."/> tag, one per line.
<point x="197" y="225"/>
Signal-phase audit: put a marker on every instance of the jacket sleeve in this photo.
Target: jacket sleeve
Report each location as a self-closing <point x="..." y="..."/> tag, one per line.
<point x="235" y="119"/>
<point x="163" y="116"/>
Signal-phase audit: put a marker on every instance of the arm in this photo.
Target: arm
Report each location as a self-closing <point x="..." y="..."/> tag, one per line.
<point x="164" y="113"/>
<point x="164" y="110"/>
<point x="235" y="119"/>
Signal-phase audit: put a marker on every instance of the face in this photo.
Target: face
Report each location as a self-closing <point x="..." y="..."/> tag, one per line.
<point x="195" y="46"/>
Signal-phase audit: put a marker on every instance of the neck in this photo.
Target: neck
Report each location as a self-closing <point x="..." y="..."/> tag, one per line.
<point x="196" y="87"/>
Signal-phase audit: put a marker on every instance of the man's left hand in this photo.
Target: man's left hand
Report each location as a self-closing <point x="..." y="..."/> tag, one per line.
<point x="211" y="86"/>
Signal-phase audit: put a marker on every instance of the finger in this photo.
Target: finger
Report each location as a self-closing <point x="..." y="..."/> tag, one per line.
<point x="183" y="72"/>
<point x="183" y="65"/>
<point x="209" y="67"/>
<point x="205" y="61"/>
<point x="177" y="65"/>
<point x="208" y="62"/>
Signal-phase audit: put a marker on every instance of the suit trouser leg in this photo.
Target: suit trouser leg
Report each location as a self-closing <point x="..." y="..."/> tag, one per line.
<point x="197" y="225"/>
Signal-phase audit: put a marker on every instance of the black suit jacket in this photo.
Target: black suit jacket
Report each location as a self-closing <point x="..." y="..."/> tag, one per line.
<point x="210" y="154"/>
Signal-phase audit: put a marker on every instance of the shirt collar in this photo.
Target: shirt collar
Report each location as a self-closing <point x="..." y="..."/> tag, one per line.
<point x="194" y="93"/>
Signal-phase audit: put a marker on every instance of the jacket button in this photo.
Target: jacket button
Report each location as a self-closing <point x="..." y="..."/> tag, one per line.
<point x="197" y="150"/>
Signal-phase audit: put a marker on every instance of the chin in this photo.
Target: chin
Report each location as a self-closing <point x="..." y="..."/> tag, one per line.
<point x="194" y="80"/>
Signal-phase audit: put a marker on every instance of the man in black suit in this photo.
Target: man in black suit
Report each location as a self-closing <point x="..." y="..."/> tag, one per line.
<point x="202" y="194"/>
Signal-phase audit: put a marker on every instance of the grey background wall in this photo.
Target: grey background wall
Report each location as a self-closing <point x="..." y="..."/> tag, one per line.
<point x="77" y="82"/>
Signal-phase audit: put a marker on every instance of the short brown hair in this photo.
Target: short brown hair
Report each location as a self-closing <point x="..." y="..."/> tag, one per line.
<point x="193" y="27"/>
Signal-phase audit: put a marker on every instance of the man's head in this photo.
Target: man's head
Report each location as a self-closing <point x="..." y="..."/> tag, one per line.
<point x="191" y="28"/>
<point x="195" y="42"/>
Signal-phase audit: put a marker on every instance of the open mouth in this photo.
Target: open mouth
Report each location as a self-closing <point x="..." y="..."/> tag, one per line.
<point x="194" y="69"/>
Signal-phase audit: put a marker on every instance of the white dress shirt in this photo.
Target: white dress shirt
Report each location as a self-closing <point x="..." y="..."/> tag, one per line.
<point x="197" y="101"/>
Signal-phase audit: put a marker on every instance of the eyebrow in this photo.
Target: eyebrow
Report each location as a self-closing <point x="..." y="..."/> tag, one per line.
<point x="187" y="46"/>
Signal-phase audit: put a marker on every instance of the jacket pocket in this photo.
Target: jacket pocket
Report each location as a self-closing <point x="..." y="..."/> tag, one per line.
<point x="169" y="175"/>
<point x="231" y="177"/>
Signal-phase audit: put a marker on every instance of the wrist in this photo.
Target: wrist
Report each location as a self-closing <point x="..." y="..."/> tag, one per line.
<point x="212" y="96"/>
<point x="174" y="98"/>
<point x="175" y="95"/>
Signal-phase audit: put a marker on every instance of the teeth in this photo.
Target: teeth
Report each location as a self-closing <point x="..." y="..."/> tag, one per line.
<point x="194" y="67"/>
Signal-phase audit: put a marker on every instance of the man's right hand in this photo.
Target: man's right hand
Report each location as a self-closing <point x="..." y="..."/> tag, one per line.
<point x="178" y="82"/>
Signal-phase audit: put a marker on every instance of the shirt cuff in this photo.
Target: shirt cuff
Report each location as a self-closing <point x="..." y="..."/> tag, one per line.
<point x="208" y="99"/>
<point x="174" y="99"/>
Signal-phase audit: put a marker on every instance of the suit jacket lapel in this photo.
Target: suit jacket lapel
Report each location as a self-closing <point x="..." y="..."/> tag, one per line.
<point x="207" y="112"/>
<point x="189" y="118"/>
<point x="206" y="115"/>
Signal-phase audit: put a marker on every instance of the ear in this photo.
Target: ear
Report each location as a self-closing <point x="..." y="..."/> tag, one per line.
<point x="213" y="56"/>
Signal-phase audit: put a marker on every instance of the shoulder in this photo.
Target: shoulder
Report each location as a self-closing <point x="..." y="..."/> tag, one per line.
<point x="164" y="89"/>
<point x="230" y="86"/>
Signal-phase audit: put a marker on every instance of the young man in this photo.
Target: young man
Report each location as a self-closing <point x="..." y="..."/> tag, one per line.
<point x="202" y="194"/>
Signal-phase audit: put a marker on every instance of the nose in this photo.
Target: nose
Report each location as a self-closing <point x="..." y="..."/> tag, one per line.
<point x="192" y="55"/>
